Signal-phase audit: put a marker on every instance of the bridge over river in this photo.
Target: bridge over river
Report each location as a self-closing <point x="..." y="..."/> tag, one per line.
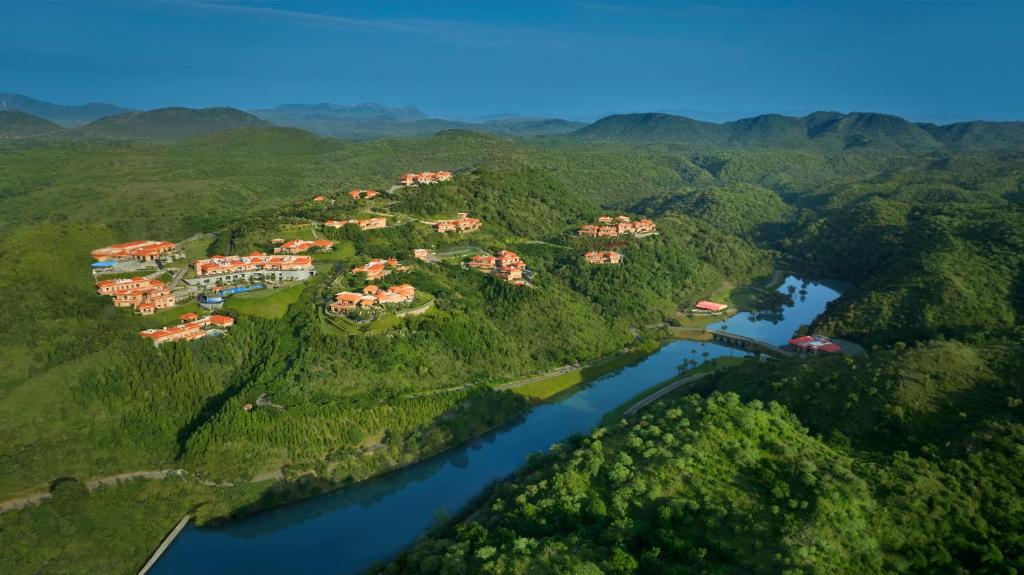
<point x="747" y="343"/>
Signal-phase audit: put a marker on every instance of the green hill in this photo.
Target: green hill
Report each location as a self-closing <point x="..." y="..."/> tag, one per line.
<point x="22" y="125"/>
<point x="60" y="114"/>
<point x="825" y="132"/>
<point x="168" y="124"/>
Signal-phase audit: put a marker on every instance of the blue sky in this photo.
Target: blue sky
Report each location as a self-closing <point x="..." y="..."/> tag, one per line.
<point x="936" y="61"/>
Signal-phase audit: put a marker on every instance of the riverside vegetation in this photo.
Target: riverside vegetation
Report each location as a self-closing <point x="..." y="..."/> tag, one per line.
<point x="926" y="426"/>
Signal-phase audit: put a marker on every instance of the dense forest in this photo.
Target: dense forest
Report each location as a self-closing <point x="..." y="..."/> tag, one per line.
<point x="900" y="460"/>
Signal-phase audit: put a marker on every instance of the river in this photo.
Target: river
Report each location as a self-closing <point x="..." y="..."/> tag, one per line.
<point x="350" y="529"/>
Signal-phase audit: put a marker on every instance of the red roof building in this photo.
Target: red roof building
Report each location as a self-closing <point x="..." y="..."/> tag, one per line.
<point x="367" y="224"/>
<point x="413" y="179"/>
<point x="371" y="296"/>
<point x="617" y="226"/>
<point x="603" y="257"/>
<point x="376" y="269"/>
<point x="256" y="261"/>
<point x="319" y="198"/>
<point x="142" y="250"/>
<point x="363" y="194"/>
<point x="461" y="225"/>
<point x="506" y="265"/>
<point x="146" y="296"/>
<point x="188" y="331"/>
<point x="815" y="344"/>
<point x="301" y="246"/>
<point x="705" y="305"/>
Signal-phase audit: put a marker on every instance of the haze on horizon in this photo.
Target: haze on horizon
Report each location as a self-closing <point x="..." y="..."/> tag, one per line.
<point x="926" y="61"/>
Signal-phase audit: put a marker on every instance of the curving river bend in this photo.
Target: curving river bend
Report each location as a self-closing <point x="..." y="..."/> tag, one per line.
<point x="348" y="530"/>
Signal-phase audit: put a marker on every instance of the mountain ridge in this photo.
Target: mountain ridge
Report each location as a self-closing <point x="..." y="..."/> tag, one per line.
<point x="64" y="115"/>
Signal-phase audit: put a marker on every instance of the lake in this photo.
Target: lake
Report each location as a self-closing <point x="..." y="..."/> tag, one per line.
<point x="350" y="529"/>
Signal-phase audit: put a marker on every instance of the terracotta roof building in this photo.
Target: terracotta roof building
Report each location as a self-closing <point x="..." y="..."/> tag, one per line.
<point x="506" y="265"/>
<point x="301" y="246"/>
<point x="620" y="225"/>
<point x="367" y="224"/>
<point x="142" y="250"/>
<point x="603" y="257"/>
<point x="413" y="179"/>
<point x="376" y="269"/>
<point x="462" y="224"/>
<point x="144" y="295"/>
<point x="363" y="194"/>
<point x="815" y="344"/>
<point x="705" y="305"/>
<point x="371" y="296"/>
<point x="189" y="330"/>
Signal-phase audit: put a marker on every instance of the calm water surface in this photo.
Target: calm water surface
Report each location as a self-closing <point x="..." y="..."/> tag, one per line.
<point x="348" y="530"/>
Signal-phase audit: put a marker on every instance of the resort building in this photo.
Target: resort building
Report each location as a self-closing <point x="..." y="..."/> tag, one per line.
<point x="376" y="269"/>
<point x="603" y="257"/>
<point x="302" y="246"/>
<point x="425" y="255"/>
<point x="367" y="224"/>
<point x="257" y="265"/>
<point x="371" y="296"/>
<point x="141" y="250"/>
<point x="363" y="194"/>
<point x="815" y="344"/>
<point x="617" y="226"/>
<point x="425" y="178"/>
<point x="506" y="265"/>
<point x="709" y="306"/>
<point x="461" y="225"/>
<point x="144" y="295"/>
<point x="189" y="330"/>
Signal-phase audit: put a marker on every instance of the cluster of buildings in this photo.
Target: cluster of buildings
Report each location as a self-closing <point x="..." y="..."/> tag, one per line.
<point x="424" y="255"/>
<point x="462" y="224"/>
<point x="371" y="296"/>
<point x="709" y="306"/>
<point x="367" y="224"/>
<point x="425" y="178"/>
<point x="139" y="250"/>
<point x="257" y="265"/>
<point x="301" y="246"/>
<point x="144" y="295"/>
<point x="376" y="269"/>
<point x="192" y="327"/>
<point x="603" y="257"/>
<point x="506" y="265"/>
<point x="815" y="344"/>
<point x="610" y="227"/>
<point x="363" y="194"/>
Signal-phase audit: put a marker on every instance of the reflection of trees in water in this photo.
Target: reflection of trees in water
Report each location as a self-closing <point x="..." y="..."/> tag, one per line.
<point x="771" y="306"/>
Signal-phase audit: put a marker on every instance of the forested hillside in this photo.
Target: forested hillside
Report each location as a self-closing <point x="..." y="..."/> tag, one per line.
<point x="830" y="465"/>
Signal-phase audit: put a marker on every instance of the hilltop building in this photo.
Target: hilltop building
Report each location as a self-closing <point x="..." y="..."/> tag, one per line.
<point x="425" y="178"/>
<point x="363" y="194"/>
<point x="367" y="224"/>
<point x="603" y="257"/>
<point x="378" y="268"/>
<point x="302" y="246"/>
<point x="371" y="296"/>
<point x="193" y="329"/>
<point x="462" y="224"/>
<point x="815" y="344"/>
<point x="617" y="226"/>
<point x="257" y="265"/>
<point x="139" y="250"/>
<point x="144" y="295"/>
<point x="505" y="265"/>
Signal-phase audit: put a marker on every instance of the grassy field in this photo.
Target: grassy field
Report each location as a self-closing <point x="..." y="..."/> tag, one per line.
<point x="544" y="388"/>
<point x="268" y="303"/>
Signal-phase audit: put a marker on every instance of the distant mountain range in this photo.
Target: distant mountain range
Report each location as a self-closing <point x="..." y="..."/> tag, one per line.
<point x="826" y="132"/>
<point x="821" y="131"/>
<point x="59" y="114"/>
<point x="373" y="121"/>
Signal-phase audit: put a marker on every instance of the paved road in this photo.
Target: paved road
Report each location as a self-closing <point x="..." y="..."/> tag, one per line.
<point x="33" y="498"/>
<point x="663" y="392"/>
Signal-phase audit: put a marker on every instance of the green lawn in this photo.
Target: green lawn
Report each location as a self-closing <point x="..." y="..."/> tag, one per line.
<point x="267" y="303"/>
<point x="548" y="387"/>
